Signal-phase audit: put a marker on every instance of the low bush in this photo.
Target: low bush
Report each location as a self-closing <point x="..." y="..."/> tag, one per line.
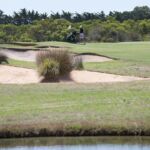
<point x="56" y="62"/>
<point x="77" y="63"/>
<point x="3" y="58"/>
<point x="61" y="56"/>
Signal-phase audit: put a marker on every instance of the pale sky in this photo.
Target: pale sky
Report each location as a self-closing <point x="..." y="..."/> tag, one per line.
<point x="9" y="6"/>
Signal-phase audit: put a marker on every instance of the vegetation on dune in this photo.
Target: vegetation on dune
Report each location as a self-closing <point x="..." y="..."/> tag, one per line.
<point x="49" y="68"/>
<point x="30" y="26"/>
<point x="54" y="63"/>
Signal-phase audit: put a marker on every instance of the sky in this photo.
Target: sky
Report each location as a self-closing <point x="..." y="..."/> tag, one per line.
<point x="48" y="6"/>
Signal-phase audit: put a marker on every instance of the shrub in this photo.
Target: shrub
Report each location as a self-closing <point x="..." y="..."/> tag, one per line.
<point x="56" y="62"/>
<point x="77" y="63"/>
<point x="49" y="69"/>
<point x="61" y="56"/>
<point x="3" y="58"/>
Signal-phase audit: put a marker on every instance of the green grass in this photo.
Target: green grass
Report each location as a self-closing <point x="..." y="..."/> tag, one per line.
<point x="75" y="106"/>
<point x="120" y="67"/>
<point x="134" y="57"/>
<point x="23" y="64"/>
<point x="130" y="51"/>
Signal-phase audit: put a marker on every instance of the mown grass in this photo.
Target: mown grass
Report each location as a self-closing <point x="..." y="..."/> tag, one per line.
<point x="131" y="51"/>
<point x="113" y="108"/>
<point x="133" y="57"/>
<point x="120" y="67"/>
<point x="23" y="64"/>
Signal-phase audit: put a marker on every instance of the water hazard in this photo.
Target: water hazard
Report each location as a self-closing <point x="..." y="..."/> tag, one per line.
<point x="77" y="143"/>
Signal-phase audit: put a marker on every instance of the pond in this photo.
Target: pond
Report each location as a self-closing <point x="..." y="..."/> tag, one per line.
<point x="77" y="143"/>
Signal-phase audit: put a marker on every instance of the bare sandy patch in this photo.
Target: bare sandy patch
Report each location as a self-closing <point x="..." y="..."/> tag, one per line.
<point x="97" y="77"/>
<point x="24" y="56"/>
<point x="16" y="75"/>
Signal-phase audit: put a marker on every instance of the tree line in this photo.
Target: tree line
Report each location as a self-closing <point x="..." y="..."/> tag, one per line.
<point x="115" y="27"/>
<point x="25" y="16"/>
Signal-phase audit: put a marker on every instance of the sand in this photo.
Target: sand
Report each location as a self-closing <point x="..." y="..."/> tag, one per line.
<point x="17" y="75"/>
<point x="31" y="56"/>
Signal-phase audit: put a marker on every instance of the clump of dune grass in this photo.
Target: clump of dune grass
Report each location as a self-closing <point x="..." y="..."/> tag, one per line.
<point x="62" y="57"/>
<point x="49" y="68"/>
<point x="3" y="58"/>
<point x="78" y="63"/>
<point x="56" y="62"/>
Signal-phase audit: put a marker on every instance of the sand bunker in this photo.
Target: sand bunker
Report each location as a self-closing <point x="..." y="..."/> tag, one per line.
<point x="93" y="58"/>
<point x="31" y="56"/>
<point x="96" y="77"/>
<point x="16" y="75"/>
<point x="24" y="56"/>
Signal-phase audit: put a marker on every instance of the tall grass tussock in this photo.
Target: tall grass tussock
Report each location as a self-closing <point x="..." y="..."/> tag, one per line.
<point x="54" y="63"/>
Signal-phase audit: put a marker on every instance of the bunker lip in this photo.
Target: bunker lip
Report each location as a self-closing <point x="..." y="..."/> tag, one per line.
<point x="94" y="54"/>
<point x="17" y="75"/>
<point x="30" y="55"/>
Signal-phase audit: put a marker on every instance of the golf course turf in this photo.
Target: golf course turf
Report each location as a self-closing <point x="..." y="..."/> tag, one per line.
<point x="69" y="109"/>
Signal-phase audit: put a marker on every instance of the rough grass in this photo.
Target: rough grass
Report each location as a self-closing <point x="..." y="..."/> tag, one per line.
<point x="75" y="109"/>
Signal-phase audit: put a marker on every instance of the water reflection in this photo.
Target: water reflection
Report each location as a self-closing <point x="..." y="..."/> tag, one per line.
<point x="77" y="143"/>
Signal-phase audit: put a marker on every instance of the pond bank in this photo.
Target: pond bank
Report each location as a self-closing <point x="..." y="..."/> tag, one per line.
<point x="20" y="131"/>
